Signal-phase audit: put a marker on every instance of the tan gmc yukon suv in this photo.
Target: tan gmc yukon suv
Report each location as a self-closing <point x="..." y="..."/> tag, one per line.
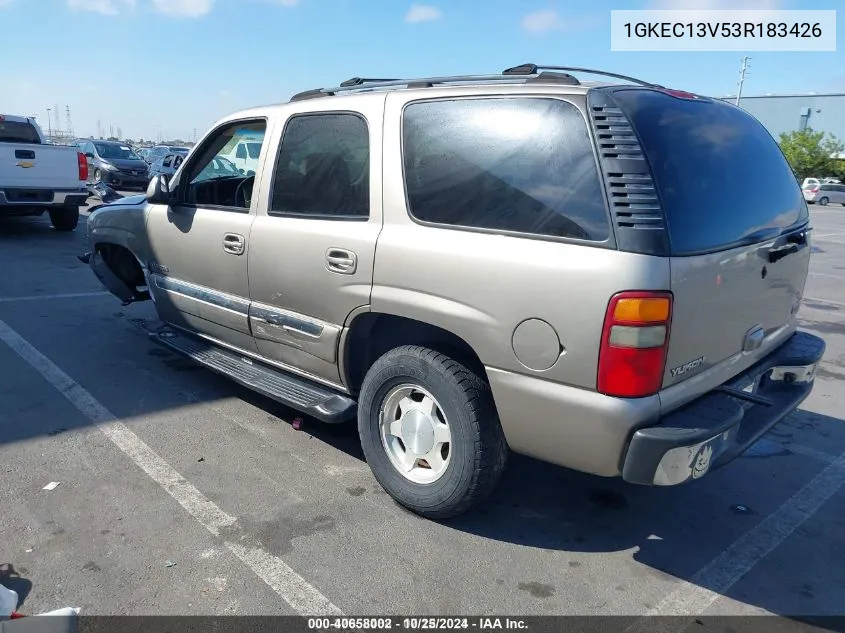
<point x="571" y="270"/>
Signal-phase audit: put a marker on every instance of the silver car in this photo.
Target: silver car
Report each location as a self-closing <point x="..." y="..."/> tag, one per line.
<point x="472" y="265"/>
<point x="825" y="194"/>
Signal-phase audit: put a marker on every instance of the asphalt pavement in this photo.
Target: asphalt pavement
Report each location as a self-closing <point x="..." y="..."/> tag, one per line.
<point x="181" y="493"/>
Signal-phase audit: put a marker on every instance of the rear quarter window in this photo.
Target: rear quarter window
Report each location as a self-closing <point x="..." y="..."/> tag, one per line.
<point x="523" y="165"/>
<point x="18" y="132"/>
<point x="721" y="177"/>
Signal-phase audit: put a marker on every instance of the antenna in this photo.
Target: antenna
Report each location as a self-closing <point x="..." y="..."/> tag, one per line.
<point x="742" y="72"/>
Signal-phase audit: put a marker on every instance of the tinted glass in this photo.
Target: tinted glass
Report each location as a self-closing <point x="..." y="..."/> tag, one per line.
<point x="323" y="167"/>
<point x="253" y="149"/>
<point x="524" y="165"/>
<point x="18" y="132"/>
<point x="721" y="177"/>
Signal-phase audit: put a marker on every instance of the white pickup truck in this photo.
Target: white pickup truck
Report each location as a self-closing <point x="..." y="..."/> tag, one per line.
<point x="37" y="177"/>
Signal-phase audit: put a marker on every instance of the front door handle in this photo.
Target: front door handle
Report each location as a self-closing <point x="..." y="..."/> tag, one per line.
<point x="341" y="260"/>
<point x="234" y="243"/>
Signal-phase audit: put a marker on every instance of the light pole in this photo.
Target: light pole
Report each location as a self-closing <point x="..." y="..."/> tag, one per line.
<point x="49" y="125"/>
<point x="742" y="72"/>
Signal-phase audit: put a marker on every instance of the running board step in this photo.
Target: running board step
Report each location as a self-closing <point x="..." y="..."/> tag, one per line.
<point x="298" y="393"/>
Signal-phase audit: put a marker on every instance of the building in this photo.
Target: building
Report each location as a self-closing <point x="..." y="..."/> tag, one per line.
<point x="788" y="113"/>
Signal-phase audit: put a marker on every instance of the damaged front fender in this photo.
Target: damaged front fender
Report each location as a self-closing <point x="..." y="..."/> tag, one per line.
<point x="118" y="245"/>
<point x="114" y="284"/>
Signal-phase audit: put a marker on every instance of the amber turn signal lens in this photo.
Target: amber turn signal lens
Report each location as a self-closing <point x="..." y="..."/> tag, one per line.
<point x="648" y="310"/>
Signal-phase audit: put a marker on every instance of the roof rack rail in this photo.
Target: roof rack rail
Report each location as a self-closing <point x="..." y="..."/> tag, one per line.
<point x="533" y="69"/>
<point x="360" y="81"/>
<point x="533" y="73"/>
<point x="361" y="84"/>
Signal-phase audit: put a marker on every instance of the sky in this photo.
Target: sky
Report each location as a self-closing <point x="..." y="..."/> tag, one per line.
<point x="171" y="68"/>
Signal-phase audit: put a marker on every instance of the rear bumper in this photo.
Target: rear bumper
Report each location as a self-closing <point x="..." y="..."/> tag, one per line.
<point x="719" y="426"/>
<point x="37" y="197"/>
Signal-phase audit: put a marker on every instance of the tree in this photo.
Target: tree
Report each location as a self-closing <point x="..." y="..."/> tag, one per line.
<point x="811" y="154"/>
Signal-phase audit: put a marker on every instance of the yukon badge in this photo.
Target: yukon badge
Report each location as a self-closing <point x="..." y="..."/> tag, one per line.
<point x="682" y="369"/>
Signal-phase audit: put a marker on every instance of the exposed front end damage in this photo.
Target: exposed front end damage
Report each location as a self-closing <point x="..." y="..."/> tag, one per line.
<point x="121" y="278"/>
<point x="117" y="243"/>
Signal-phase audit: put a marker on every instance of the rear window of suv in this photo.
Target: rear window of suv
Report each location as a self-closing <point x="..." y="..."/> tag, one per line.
<point x="523" y="165"/>
<point x="18" y="132"/>
<point x="721" y="177"/>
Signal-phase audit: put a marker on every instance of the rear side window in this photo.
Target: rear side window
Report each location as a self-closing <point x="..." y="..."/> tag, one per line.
<point x="524" y="165"/>
<point x="721" y="177"/>
<point x="18" y="132"/>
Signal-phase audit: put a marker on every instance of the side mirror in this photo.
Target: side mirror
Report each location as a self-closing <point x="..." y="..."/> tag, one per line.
<point x="158" y="191"/>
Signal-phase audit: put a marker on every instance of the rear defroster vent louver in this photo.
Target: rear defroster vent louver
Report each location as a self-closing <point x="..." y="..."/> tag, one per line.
<point x="638" y="218"/>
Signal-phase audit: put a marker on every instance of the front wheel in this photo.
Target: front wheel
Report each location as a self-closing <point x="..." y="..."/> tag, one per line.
<point x="823" y="201"/>
<point x="430" y="432"/>
<point x="64" y="219"/>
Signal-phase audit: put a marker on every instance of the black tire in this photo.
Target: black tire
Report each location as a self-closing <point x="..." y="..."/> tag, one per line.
<point x="98" y="176"/>
<point x="823" y="201"/>
<point x="478" y="449"/>
<point x="64" y="219"/>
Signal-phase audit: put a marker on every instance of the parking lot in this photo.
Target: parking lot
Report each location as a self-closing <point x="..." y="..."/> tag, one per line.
<point x="181" y="493"/>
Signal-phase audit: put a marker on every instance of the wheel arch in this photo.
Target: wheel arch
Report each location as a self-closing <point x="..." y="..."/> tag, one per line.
<point x="368" y="335"/>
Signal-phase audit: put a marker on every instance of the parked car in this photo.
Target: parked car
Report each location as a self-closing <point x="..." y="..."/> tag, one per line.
<point x="434" y="261"/>
<point x="825" y="194"/>
<point x="152" y="154"/>
<point x="36" y="176"/>
<point x="244" y="155"/>
<point x="218" y="167"/>
<point x="114" y="163"/>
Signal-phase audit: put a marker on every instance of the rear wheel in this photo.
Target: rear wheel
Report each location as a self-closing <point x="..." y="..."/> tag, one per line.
<point x="65" y="218"/>
<point x="430" y="432"/>
<point x="98" y="175"/>
<point x="823" y="201"/>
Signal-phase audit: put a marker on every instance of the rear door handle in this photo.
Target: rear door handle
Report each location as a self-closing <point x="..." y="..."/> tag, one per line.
<point x="341" y="260"/>
<point x="234" y="243"/>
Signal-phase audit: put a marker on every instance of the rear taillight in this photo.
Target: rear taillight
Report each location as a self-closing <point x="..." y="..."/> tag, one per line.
<point x="83" y="165"/>
<point x="634" y="341"/>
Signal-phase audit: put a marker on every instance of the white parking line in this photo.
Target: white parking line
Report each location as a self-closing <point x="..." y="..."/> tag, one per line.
<point x="694" y="597"/>
<point x="835" y="303"/>
<point x="808" y="451"/>
<point x="293" y="589"/>
<point x="71" y="295"/>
